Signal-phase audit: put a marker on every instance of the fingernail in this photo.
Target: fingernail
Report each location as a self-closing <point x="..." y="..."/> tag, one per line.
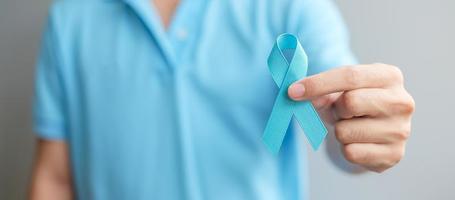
<point x="296" y="91"/>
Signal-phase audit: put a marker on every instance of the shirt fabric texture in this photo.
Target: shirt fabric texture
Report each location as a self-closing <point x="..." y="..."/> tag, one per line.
<point x="150" y="113"/>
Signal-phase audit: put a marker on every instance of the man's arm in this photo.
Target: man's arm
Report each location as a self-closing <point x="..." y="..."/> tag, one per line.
<point x="51" y="177"/>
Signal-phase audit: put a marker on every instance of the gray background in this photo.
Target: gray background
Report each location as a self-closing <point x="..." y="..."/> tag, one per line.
<point x="416" y="35"/>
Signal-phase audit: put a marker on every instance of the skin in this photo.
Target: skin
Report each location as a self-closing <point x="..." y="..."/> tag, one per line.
<point x="371" y="111"/>
<point x="372" y="119"/>
<point x="51" y="178"/>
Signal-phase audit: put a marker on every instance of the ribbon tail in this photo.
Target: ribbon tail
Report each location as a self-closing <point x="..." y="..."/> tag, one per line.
<point x="277" y="125"/>
<point x="311" y="123"/>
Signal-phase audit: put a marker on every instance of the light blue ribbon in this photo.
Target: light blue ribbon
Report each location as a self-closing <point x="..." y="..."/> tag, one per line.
<point x="288" y="63"/>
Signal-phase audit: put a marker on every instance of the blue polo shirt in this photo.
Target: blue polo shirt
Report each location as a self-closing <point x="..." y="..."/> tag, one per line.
<point x="150" y="113"/>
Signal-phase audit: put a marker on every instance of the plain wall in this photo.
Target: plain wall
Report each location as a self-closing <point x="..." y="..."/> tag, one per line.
<point x="416" y="35"/>
<point x="419" y="37"/>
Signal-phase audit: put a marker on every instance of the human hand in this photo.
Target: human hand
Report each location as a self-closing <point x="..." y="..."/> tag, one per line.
<point x="372" y="111"/>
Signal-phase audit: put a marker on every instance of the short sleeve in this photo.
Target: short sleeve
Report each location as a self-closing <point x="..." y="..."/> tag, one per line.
<point x="323" y="34"/>
<point x="48" y="113"/>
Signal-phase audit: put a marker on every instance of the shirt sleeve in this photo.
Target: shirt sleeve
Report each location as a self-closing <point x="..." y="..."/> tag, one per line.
<point x="323" y="34"/>
<point x="48" y="113"/>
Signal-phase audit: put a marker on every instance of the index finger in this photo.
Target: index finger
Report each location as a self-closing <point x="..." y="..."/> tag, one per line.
<point x="345" y="79"/>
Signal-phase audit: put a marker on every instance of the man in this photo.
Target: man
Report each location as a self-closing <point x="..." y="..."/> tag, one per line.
<point x="139" y="99"/>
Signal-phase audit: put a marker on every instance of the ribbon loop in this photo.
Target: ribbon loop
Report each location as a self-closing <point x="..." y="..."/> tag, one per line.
<point x="288" y="63"/>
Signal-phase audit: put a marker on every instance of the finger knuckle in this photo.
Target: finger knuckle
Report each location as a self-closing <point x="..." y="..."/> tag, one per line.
<point x="402" y="135"/>
<point x="397" y="156"/>
<point x="405" y="105"/>
<point x="351" y="101"/>
<point x="404" y="132"/>
<point x="352" y="76"/>
<point x="395" y="73"/>
<point x="409" y="105"/>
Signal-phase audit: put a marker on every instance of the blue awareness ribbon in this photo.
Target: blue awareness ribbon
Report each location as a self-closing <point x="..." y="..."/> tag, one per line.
<point x="288" y="63"/>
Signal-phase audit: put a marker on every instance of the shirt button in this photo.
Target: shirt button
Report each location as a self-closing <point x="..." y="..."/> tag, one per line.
<point x="182" y="34"/>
